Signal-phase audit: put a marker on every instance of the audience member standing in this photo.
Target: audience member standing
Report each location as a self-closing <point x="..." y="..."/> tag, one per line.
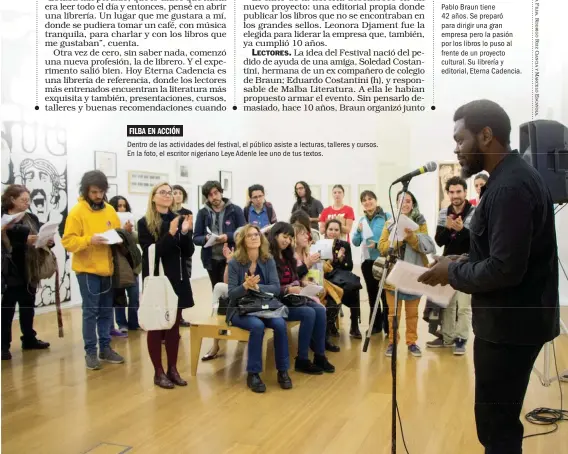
<point x="305" y="201"/>
<point x="221" y="217"/>
<point x="171" y="235"/>
<point x="343" y="213"/>
<point x="93" y="265"/>
<point x="258" y="211"/>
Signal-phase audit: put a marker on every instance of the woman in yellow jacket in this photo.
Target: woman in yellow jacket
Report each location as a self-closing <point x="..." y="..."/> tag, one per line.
<point x="412" y="249"/>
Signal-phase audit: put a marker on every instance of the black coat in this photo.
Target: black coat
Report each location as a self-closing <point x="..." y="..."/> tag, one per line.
<point x="16" y="272"/>
<point x="173" y="252"/>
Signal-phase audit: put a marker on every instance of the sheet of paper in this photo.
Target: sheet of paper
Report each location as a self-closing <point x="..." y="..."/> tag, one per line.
<point x="324" y="248"/>
<point x="367" y="232"/>
<point x="404" y="222"/>
<point x="125" y="217"/>
<point x="311" y="290"/>
<point x="7" y="218"/>
<point x="46" y="233"/>
<point x="266" y="229"/>
<point x="404" y="276"/>
<point x="212" y="239"/>
<point x="111" y="236"/>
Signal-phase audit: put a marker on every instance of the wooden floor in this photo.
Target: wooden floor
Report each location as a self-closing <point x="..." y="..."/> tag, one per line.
<point x="52" y="404"/>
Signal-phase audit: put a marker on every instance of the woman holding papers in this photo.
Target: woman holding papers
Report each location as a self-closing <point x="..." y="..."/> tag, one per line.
<point x="342" y="261"/>
<point x="172" y="235"/>
<point x="19" y="241"/>
<point x="412" y="247"/>
<point x="369" y="230"/>
<point x="312" y="315"/>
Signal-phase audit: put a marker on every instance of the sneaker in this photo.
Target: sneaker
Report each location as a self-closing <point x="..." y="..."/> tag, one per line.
<point x="110" y="356"/>
<point x="389" y="350"/>
<point x="307" y="367"/>
<point x="123" y="329"/>
<point x="117" y="333"/>
<point x="438" y="343"/>
<point x="459" y="348"/>
<point x="92" y="362"/>
<point x="414" y="350"/>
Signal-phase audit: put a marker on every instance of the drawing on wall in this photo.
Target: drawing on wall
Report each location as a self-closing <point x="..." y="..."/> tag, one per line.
<point x="446" y="170"/>
<point x="360" y="189"/>
<point x="347" y="194"/>
<point x="36" y="157"/>
<point x="105" y="161"/>
<point x="183" y="175"/>
<point x="140" y="182"/>
<point x="226" y="180"/>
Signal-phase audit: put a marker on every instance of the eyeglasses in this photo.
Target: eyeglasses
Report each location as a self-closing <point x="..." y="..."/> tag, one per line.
<point x="253" y="235"/>
<point x="165" y="193"/>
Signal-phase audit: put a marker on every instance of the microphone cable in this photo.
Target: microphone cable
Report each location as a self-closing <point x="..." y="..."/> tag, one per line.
<point x="548" y="416"/>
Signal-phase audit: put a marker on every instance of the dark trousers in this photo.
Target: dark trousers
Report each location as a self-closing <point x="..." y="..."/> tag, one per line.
<point x="502" y="373"/>
<point x="352" y="301"/>
<point x="381" y="321"/>
<point x="24" y="296"/>
<point x="217" y="271"/>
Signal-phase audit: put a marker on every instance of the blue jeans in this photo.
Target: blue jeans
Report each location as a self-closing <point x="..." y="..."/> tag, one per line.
<point x="133" y="305"/>
<point x="255" y="326"/>
<point x="312" y="318"/>
<point x="97" y="294"/>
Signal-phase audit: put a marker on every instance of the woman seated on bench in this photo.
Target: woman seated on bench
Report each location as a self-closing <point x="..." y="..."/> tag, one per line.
<point x="252" y="267"/>
<point x="312" y="316"/>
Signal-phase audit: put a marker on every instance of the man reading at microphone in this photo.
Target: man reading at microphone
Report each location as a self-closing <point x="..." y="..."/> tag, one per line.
<point x="511" y="272"/>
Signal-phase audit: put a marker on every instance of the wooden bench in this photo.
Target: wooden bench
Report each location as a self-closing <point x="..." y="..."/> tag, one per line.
<point x="214" y="327"/>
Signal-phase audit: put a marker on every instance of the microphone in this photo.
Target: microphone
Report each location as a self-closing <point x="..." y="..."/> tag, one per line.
<point x="429" y="167"/>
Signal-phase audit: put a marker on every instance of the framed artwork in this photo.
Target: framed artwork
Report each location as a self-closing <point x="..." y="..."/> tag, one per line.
<point x="360" y="189"/>
<point x="347" y="194"/>
<point x="105" y="161"/>
<point x="183" y="174"/>
<point x="140" y="182"/>
<point x="316" y="191"/>
<point x="112" y="191"/>
<point x="446" y="170"/>
<point x="226" y="180"/>
<point x="201" y="199"/>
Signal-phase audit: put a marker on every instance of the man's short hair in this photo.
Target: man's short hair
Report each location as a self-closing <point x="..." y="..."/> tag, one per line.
<point x="209" y="186"/>
<point x="484" y="113"/>
<point x="255" y="187"/>
<point x="455" y="181"/>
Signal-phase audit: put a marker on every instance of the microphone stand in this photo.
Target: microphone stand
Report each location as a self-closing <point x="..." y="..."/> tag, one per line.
<point x="390" y="260"/>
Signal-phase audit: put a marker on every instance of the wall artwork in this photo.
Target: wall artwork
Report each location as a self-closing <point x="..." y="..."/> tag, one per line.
<point x="360" y="189"/>
<point x="183" y="175"/>
<point x="35" y="156"/>
<point x="140" y="182"/>
<point x="201" y="199"/>
<point x="446" y="170"/>
<point x="105" y="161"/>
<point x="347" y="194"/>
<point x="226" y="180"/>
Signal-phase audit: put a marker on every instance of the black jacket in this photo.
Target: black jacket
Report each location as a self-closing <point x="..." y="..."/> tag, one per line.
<point x="173" y="252"/>
<point x="16" y="270"/>
<point x="454" y="243"/>
<point x="512" y="271"/>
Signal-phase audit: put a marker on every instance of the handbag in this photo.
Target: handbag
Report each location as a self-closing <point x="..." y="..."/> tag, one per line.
<point x="223" y="305"/>
<point x="256" y="301"/>
<point x="295" y="300"/>
<point x="344" y="279"/>
<point x="159" y="302"/>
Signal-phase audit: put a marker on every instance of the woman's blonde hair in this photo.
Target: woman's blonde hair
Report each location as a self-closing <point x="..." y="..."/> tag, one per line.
<point x="301" y="228"/>
<point x="153" y="218"/>
<point x="241" y="252"/>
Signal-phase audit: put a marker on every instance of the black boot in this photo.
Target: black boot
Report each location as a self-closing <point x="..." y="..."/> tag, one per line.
<point x="354" y="331"/>
<point x="307" y="367"/>
<point x="35" y="344"/>
<point x="330" y="347"/>
<point x="321" y="361"/>
<point x="284" y="379"/>
<point x="255" y="383"/>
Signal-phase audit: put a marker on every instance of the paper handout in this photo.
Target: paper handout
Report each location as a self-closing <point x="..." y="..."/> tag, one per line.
<point x="404" y="276"/>
<point x="212" y="238"/>
<point x="46" y="233"/>
<point x="111" y="236"/>
<point x="311" y="290"/>
<point x="7" y="218"/>
<point x="404" y="222"/>
<point x="126" y="217"/>
<point x="324" y="248"/>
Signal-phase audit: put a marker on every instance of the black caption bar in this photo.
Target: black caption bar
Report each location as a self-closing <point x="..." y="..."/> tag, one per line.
<point x="154" y="131"/>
